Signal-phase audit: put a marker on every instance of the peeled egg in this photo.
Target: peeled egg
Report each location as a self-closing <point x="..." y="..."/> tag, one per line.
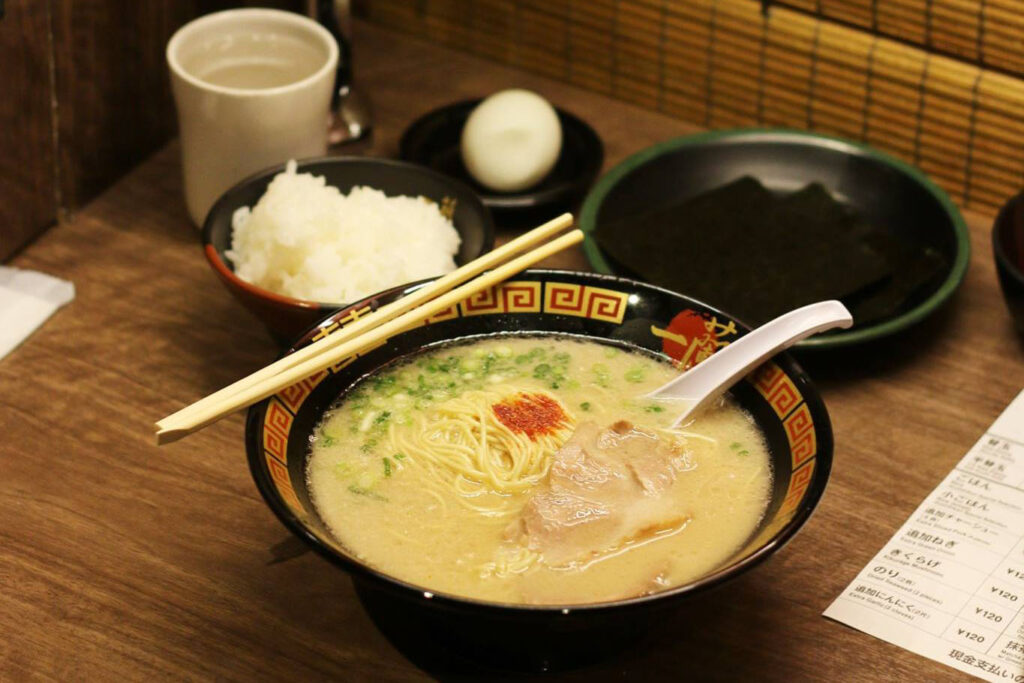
<point x="511" y="140"/>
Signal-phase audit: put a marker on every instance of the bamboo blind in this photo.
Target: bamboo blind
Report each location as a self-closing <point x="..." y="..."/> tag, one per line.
<point x="725" y="63"/>
<point x="985" y="32"/>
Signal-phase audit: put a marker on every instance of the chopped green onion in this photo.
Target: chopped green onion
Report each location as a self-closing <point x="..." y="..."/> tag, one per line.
<point x="325" y="438"/>
<point x="360" y="491"/>
<point x="635" y="375"/>
<point x="585" y="405"/>
<point x="387" y="466"/>
<point x="449" y="364"/>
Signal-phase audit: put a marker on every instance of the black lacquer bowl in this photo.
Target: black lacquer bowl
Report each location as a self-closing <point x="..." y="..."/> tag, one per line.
<point x="606" y="308"/>
<point x="433" y="140"/>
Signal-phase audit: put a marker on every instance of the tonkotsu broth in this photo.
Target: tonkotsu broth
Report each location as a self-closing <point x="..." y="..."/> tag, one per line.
<point x="399" y="513"/>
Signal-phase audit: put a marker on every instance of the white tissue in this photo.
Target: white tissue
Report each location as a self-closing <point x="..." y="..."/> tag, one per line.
<point x="27" y="299"/>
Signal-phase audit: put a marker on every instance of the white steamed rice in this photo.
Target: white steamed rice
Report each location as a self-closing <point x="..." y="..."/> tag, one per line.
<point x="307" y="240"/>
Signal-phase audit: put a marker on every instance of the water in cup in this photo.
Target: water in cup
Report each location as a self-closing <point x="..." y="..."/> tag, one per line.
<point x="253" y="89"/>
<point x="254" y="61"/>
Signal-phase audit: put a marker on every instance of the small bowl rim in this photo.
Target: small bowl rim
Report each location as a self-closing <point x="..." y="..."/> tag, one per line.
<point x="999" y="226"/>
<point x="958" y="269"/>
<point x="523" y="199"/>
<point x="218" y="263"/>
<point x="357" y="569"/>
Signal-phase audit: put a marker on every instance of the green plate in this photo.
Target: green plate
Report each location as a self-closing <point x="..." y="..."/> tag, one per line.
<point x="887" y="192"/>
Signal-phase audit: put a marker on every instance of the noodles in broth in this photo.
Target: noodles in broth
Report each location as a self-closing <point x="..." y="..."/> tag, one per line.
<point x="524" y="469"/>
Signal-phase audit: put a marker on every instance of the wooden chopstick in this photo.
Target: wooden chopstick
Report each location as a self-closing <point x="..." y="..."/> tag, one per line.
<point x="173" y="427"/>
<point x="381" y="315"/>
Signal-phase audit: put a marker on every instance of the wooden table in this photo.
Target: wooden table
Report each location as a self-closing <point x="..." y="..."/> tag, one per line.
<point x="123" y="560"/>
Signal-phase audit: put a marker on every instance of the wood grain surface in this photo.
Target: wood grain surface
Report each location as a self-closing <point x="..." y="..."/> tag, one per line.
<point x="28" y="173"/>
<point x="119" y="560"/>
<point x="113" y="92"/>
<point x="85" y="97"/>
<point x="112" y="88"/>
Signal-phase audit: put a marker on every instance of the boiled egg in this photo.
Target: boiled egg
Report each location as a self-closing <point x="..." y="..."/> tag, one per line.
<point x="511" y="140"/>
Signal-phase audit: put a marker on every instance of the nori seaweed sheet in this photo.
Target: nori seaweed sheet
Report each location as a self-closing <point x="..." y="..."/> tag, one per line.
<point x="756" y="255"/>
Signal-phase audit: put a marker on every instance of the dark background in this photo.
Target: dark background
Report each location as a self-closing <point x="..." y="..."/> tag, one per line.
<point x="85" y="97"/>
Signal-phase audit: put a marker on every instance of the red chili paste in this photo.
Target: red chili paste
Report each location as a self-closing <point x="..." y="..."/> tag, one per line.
<point x="531" y="414"/>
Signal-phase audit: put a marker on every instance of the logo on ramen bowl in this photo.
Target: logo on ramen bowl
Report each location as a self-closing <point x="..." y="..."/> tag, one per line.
<point x="692" y="337"/>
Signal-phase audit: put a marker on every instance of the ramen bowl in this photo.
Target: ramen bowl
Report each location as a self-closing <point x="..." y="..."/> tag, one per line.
<point x="608" y="309"/>
<point x="286" y="317"/>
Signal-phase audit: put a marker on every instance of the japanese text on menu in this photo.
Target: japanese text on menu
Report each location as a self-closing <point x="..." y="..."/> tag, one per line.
<point x="950" y="584"/>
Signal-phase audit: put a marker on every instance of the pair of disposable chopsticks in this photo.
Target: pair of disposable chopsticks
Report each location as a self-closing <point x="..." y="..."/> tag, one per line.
<point x="371" y="329"/>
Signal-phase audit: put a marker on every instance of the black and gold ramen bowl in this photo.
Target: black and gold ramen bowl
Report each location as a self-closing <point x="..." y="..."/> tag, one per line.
<point x="609" y="309"/>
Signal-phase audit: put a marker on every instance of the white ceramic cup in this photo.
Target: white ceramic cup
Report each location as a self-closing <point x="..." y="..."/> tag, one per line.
<point x="253" y="89"/>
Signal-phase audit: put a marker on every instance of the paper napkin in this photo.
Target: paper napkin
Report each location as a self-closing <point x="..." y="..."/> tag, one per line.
<point x="27" y="299"/>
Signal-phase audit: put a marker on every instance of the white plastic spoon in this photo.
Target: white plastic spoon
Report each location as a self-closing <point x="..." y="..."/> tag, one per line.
<point x="709" y="379"/>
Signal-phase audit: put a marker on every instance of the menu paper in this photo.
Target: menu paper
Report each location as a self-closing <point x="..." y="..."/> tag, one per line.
<point x="950" y="584"/>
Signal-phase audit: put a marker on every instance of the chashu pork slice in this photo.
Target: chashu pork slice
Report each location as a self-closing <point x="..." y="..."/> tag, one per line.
<point x="607" y="488"/>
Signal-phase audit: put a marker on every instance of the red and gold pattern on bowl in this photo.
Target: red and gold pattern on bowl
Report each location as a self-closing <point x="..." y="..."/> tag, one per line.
<point x="609" y="309"/>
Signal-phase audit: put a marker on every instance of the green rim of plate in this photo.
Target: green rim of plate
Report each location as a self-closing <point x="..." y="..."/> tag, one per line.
<point x="594" y="200"/>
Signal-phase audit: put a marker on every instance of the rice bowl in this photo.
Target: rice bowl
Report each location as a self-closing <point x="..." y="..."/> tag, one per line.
<point x="306" y="239"/>
<point x="286" y="316"/>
